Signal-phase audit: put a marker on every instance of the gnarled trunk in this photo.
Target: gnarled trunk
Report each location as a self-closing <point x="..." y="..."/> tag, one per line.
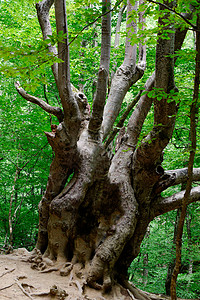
<point x="97" y="206"/>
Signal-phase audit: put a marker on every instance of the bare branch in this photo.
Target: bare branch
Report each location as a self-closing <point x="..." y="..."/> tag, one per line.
<point x="162" y="205"/>
<point x="100" y="98"/>
<point x="123" y="79"/>
<point x="56" y="111"/>
<point x="139" y="115"/>
<point x="181" y="175"/>
<point x="43" y="18"/>
<point x="131" y="27"/>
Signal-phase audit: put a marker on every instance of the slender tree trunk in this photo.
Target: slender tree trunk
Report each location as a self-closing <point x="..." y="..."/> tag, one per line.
<point x="193" y="120"/>
<point x="10" y="218"/>
<point x="172" y="262"/>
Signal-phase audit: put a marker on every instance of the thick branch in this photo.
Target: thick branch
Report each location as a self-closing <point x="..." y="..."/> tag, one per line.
<point x="164" y="80"/>
<point x="123" y="79"/>
<point x="127" y="74"/>
<point x="117" y="37"/>
<point x="122" y="119"/>
<point x="43" y="18"/>
<point x="69" y="104"/>
<point x="56" y="111"/>
<point x="164" y="112"/>
<point x="162" y="205"/>
<point x="139" y="115"/>
<point x="99" y="101"/>
<point x="119" y="20"/>
<point x="175" y="177"/>
<point x="131" y="27"/>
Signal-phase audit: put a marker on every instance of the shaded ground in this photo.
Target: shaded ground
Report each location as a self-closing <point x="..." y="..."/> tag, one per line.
<point x="19" y="281"/>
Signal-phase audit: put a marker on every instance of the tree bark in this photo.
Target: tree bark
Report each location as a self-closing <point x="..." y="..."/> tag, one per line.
<point x="96" y="208"/>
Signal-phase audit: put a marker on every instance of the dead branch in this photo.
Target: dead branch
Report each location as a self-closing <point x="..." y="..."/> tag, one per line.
<point x="56" y="111"/>
<point x="6" y="287"/>
<point x="6" y="272"/>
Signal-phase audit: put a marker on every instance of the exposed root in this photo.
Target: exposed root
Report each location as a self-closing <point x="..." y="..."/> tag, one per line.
<point x="131" y="295"/>
<point x="49" y="270"/>
<point x="77" y="283"/>
<point x="137" y="293"/>
<point x="66" y="269"/>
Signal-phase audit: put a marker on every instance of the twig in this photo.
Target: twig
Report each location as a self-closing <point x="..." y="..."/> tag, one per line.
<point x="6" y="272"/>
<point x="40" y="294"/>
<point x="6" y="287"/>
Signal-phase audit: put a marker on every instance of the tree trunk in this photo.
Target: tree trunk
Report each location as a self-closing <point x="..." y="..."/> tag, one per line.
<point x="97" y="207"/>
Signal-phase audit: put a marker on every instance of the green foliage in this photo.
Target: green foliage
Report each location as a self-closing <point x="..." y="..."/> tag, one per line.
<point x="22" y="142"/>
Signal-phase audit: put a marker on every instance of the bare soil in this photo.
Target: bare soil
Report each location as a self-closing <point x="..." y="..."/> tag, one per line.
<point x="19" y="281"/>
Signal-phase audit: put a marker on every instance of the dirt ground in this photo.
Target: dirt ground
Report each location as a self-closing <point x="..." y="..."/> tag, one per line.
<point x="19" y="281"/>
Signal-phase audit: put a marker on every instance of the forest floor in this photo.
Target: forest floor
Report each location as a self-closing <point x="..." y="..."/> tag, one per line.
<point x="19" y="281"/>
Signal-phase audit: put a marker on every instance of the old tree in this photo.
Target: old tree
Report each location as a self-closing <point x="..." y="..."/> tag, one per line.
<point x="98" y="203"/>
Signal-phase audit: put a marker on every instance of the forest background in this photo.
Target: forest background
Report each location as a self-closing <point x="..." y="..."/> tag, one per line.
<point x="25" y="155"/>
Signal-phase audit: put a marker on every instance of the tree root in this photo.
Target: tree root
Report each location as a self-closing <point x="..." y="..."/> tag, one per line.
<point x="49" y="270"/>
<point x="60" y="293"/>
<point x="137" y="293"/>
<point x="77" y="283"/>
<point x="66" y="269"/>
<point x="22" y="289"/>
